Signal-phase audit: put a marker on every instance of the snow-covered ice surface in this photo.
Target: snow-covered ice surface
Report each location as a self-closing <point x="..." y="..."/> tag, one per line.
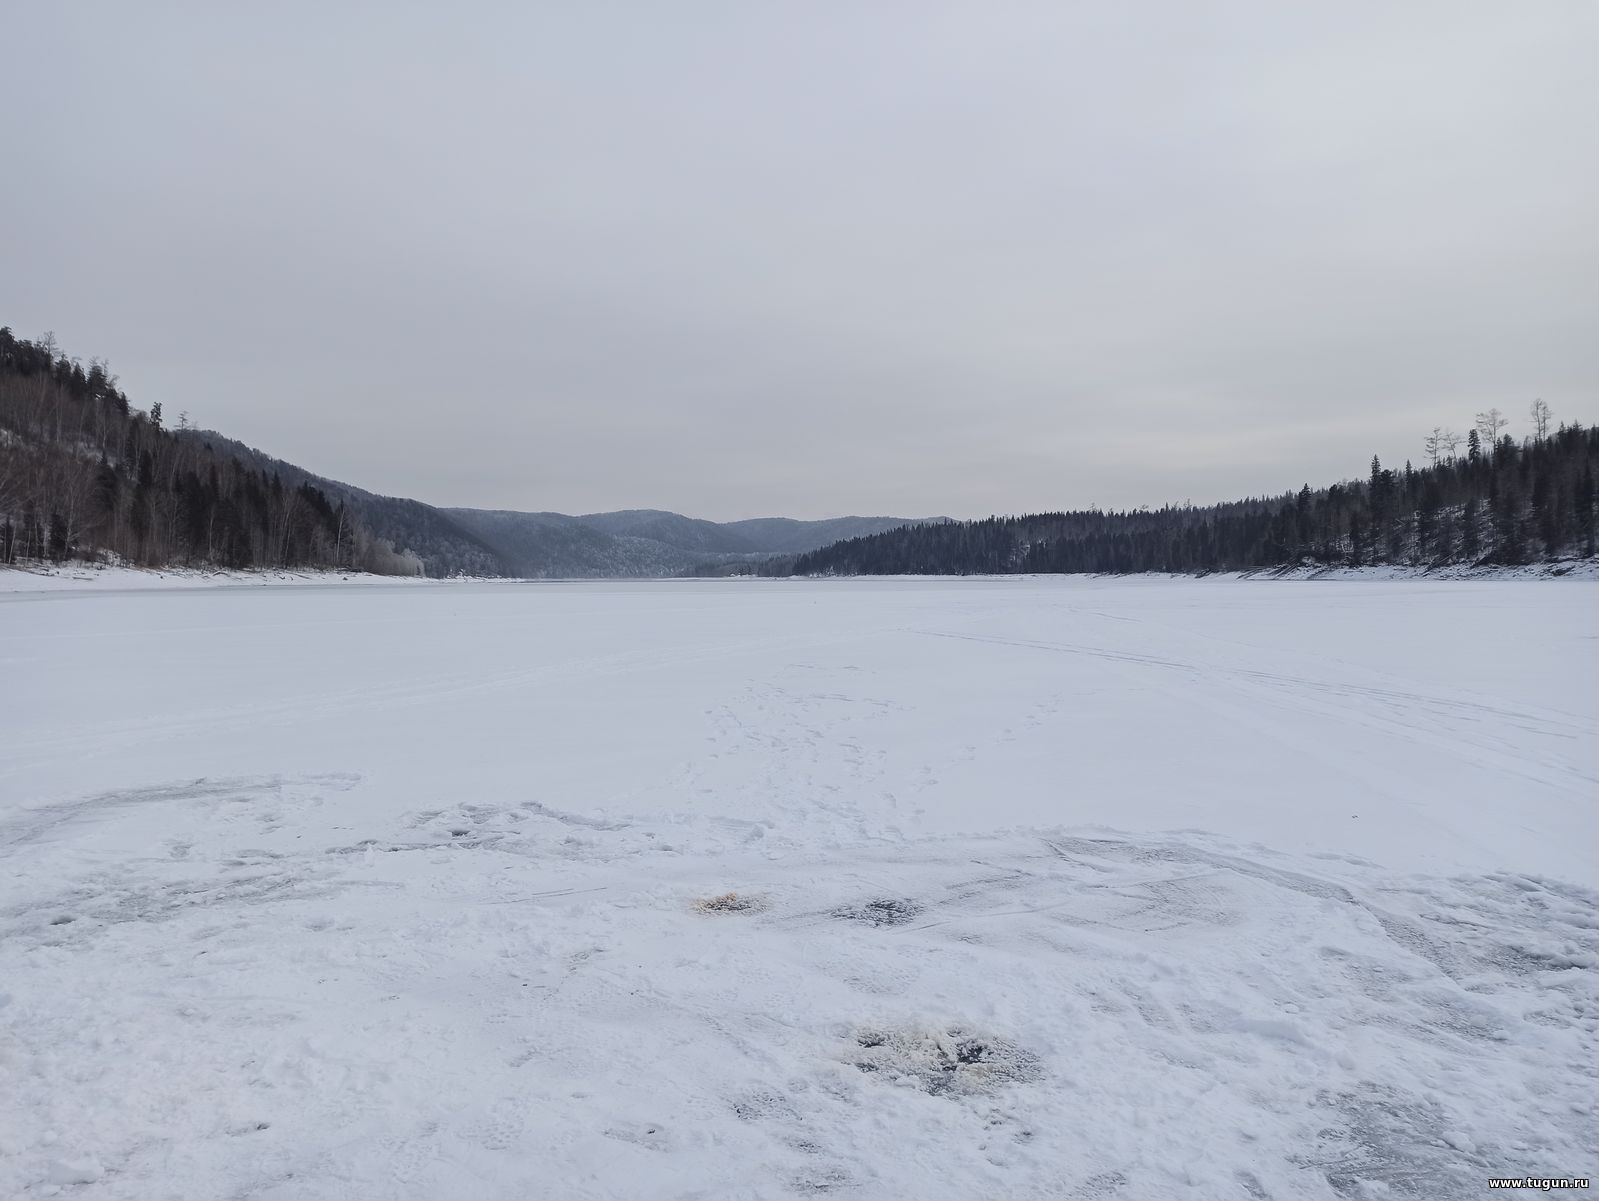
<point x="925" y="889"/>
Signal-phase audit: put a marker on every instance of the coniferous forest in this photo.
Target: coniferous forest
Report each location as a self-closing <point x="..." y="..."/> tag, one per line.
<point x="1488" y="499"/>
<point x="84" y="474"/>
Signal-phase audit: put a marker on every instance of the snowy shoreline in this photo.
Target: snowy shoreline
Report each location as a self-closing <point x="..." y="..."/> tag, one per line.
<point x="89" y="577"/>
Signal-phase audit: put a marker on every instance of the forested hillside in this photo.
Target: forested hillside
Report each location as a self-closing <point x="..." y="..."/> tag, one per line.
<point x="83" y="472"/>
<point x="442" y="545"/>
<point x="1503" y="501"/>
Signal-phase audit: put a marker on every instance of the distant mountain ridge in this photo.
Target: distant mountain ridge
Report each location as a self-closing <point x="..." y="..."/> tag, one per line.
<point x="652" y="542"/>
<point x="629" y="543"/>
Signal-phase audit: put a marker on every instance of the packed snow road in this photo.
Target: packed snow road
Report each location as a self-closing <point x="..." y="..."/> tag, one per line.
<point x="1024" y="888"/>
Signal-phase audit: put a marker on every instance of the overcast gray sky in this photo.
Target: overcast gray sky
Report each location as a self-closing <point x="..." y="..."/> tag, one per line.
<point x="741" y="259"/>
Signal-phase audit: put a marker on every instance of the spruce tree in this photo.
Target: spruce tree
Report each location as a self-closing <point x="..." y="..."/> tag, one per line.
<point x="1584" y="510"/>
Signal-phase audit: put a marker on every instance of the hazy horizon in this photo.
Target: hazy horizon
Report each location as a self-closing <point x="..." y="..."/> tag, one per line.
<point x="901" y="260"/>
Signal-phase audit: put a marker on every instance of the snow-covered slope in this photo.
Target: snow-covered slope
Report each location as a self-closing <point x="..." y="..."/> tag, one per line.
<point x="958" y="888"/>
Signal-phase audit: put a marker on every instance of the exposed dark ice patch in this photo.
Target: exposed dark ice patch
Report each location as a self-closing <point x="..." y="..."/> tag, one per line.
<point x="951" y="1062"/>
<point x="1106" y="1184"/>
<point x="884" y="911"/>
<point x="1391" y="1143"/>
<point x="730" y="902"/>
<point x="762" y="1105"/>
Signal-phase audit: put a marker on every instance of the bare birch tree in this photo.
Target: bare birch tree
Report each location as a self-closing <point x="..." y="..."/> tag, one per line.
<point x="1540" y="419"/>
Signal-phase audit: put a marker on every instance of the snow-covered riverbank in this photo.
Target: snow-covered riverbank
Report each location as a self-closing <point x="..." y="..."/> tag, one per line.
<point x="78" y="577"/>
